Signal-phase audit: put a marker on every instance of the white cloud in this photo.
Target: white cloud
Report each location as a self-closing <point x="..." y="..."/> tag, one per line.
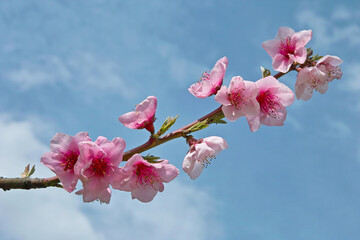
<point x="180" y="212"/>
<point x="79" y="71"/>
<point x="341" y="26"/>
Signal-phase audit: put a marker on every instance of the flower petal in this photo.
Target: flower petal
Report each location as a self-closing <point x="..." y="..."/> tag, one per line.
<point x="284" y="32"/>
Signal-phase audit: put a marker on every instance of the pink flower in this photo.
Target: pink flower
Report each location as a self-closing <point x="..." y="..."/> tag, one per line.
<point x="287" y="47"/>
<point x="239" y="99"/>
<point x="330" y="66"/>
<point x="317" y="77"/>
<point x="210" y="83"/>
<point x="142" y="117"/>
<point x="273" y="97"/>
<point x="201" y="153"/>
<point x="63" y="157"/>
<point x="144" y="179"/>
<point x="97" y="166"/>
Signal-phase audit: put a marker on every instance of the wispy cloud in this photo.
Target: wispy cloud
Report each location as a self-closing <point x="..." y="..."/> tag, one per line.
<point x="78" y="72"/>
<point x="342" y="25"/>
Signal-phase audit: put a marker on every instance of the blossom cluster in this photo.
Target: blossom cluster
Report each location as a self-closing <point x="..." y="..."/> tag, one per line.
<point x="96" y="165"/>
<point x="263" y="102"/>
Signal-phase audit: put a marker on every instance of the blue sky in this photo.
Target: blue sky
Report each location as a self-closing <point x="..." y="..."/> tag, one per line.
<point x="70" y="66"/>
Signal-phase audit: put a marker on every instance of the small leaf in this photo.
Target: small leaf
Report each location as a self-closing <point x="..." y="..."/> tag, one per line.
<point x="265" y="72"/>
<point x="316" y="57"/>
<point x="198" y="126"/>
<point x="151" y="158"/>
<point x="31" y="171"/>
<point x="169" y="121"/>
<point x="218" y="119"/>
<point x="26" y="171"/>
<point x="309" y="51"/>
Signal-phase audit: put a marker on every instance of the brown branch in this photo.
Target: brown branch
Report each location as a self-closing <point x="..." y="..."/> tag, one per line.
<point x="181" y="132"/>
<point x="28" y="183"/>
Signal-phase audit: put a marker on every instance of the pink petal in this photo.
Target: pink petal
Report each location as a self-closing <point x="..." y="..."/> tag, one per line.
<point x="237" y="82"/>
<point x="285" y="95"/>
<point x="267" y="83"/>
<point x="251" y="107"/>
<point x="272" y="47"/>
<point x="68" y="180"/>
<point x="282" y="63"/>
<point x="284" y="32"/>
<point x="272" y="121"/>
<point x="322" y="88"/>
<point x="145" y="194"/>
<point x="114" y="149"/>
<point x="201" y="89"/>
<point x="218" y="72"/>
<point x="196" y="170"/>
<point x="105" y="196"/>
<point x="300" y="55"/>
<point x="302" y="38"/>
<point x="332" y="60"/>
<point x="222" y="97"/>
<point x="121" y="180"/>
<point x="231" y="113"/>
<point x="133" y="119"/>
<point x="166" y="171"/>
<point x="148" y="106"/>
<point x="188" y="163"/>
<point x="59" y="142"/>
<point x="307" y="94"/>
<point x="254" y="122"/>
<point x="93" y="189"/>
<point x="216" y="143"/>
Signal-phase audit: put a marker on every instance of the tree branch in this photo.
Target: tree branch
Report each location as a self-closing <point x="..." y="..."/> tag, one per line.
<point x="28" y="183"/>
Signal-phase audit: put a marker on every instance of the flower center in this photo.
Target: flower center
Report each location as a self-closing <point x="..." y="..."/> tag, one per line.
<point x="287" y="46"/>
<point x="205" y="77"/>
<point x="146" y="175"/>
<point x="268" y="103"/>
<point x="236" y="97"/>
<point x="100" y="167"/>
<point x="69" y="159"/>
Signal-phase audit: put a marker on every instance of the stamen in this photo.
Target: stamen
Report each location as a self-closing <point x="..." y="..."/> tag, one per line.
<point x="69" y="160"/>
<point x="146" y="175"/>
<point x="268" y="103"/>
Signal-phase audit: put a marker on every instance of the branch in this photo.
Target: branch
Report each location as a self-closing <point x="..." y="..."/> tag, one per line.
<point x="181" y="132"/>
<point x="28" y="183"/>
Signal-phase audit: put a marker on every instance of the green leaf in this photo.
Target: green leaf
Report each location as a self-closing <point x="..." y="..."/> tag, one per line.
<point x="316" y="57"/>
<point x="152" y="158"/>
<point x="218" y="119"/>
<point x="31" y="171"/>
<point x="27" y="172"/>
<point x="169" y="121"/>
<point x="198" y="126"/>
